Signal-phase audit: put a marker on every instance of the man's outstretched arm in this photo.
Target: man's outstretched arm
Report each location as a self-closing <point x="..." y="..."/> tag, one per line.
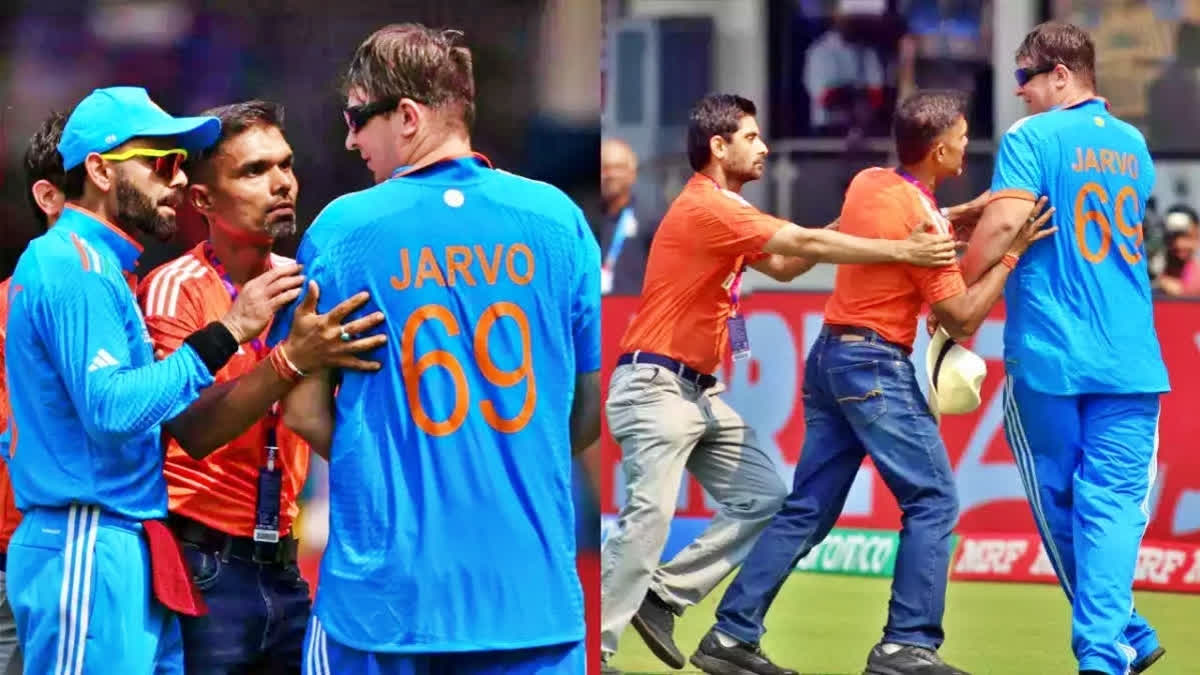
<point x="923" y="249"/>
<point x="998" y="227"/>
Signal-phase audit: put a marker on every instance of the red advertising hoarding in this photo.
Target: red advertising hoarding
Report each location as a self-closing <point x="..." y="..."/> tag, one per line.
<point x="766" y="390"/>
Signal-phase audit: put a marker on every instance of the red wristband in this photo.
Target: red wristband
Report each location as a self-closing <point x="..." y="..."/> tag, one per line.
<point x="1010" y="260"/>
<point x="283" y="365"/>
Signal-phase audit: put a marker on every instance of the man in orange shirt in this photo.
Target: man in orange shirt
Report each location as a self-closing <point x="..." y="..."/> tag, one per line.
<point x="663" y="406"/>
<point x="861" y="399"/>
<point x="44" y="177"/>
<point x="233" y="509"/>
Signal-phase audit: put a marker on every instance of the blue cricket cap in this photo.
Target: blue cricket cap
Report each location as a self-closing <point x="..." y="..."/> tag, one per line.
<point x="108" y="117"/>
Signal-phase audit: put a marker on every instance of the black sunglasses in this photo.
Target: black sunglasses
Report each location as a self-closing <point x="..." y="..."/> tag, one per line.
<point x="357" y="116"/>
<point x="1024" y="75"/>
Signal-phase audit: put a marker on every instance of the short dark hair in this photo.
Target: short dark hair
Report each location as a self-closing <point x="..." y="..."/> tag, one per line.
<point x="409" y="60"/>
<point x="1055" y="42"/>
<point x="43" y="162"/>
<point x="921" y="118"/>
<point x="714" y="115"/>
<point x="235" y="119"/>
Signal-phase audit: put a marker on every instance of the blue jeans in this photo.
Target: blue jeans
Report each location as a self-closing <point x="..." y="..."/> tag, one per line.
<point x="860" y="398"/>
<point x="257" y="616"/>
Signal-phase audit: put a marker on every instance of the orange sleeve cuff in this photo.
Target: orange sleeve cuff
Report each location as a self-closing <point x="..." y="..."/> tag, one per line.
<point x="763" y="228"/>
<point x="944" y="285"/>
<point x="1013" y="193"/>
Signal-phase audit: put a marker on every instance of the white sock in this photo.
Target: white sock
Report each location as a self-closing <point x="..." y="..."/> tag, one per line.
<point x="890" y="647"/>
<point x="726" y="641"/>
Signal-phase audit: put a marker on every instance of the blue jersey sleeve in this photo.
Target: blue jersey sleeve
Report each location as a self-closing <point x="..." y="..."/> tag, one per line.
<point x="1018" y="170"/>
<point x="585" y="309"/>
<point x="82" y="323"/>
<point x="1148" y="176"/>
<point x="306" y="255"/>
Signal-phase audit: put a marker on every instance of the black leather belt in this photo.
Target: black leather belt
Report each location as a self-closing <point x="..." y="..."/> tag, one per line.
<point x="682" y="370"/>
<point x="228" y="546"/>
<point x="865" y="333"/>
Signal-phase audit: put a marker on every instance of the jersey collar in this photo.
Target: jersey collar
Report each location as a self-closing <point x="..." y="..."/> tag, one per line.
<point x="94" y="227"/>
<point x="1082" y="102"/>
<point x="455" y="167"/>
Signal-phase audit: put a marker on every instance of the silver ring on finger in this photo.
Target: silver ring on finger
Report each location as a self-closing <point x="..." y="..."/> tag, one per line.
<point x="345" y="335"/>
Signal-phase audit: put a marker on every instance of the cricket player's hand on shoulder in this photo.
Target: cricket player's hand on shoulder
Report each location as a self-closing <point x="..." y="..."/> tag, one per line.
<point x="259" y="299"/>
<point x="319" y="341"/>
<point x="928" y="248"/>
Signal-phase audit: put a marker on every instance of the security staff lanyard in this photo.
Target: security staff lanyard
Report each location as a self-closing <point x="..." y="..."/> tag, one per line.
<point x="626" y="225"/>
<point x="270" y="477"/>
<point x="920" y="186"/>
<point x="739" y="339"/>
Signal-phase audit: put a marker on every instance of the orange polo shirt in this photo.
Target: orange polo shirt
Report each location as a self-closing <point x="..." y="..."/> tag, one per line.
<point x="10" y="517"/>
<point x="177" y="299"/>
<point x="881" y="204"/>
<point x="704" y="242"/>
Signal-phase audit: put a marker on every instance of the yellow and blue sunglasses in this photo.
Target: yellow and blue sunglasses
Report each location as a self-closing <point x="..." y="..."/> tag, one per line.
<point x="166" y="162"/>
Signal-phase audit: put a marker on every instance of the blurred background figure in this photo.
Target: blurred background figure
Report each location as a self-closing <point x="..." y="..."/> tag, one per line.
<point x="843" y="74"/>
<point x="623" y="228"/>
<point x="1176" y="89"/>
<point x="1181" y="274"/>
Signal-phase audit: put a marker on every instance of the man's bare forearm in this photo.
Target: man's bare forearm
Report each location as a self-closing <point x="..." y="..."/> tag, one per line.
<point x="984" y="253"/>
<point x="308" y="411"/>
<point x="997" y="228"/>
<point x="783" y="268"/>
<point x="585" y="412"/>
<point x="226" y="410"/>
<point x="963" y="317"/>
<point x="831" y="246"/>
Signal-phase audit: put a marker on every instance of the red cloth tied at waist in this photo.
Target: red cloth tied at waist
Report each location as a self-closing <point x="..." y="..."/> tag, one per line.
<point x="172" y="579"/>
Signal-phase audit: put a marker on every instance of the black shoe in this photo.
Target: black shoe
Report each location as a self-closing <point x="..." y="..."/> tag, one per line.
<point x="655" y="622"/>
<point x="606" y="669"/>
<point x="909" y="660"/>
<point x="742" y="659"/>
<point x="1145" y="663"/>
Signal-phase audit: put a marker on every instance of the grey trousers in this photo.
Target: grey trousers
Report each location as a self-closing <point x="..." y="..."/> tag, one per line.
<point x="664" y="425"/>
<point x="10" y="651"/>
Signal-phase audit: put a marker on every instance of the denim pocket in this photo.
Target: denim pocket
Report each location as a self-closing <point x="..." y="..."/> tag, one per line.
<point x="858" y="392"/>
<point x="205" y="566"/>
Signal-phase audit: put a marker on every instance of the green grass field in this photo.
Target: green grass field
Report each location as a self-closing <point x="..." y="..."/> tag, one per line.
<point x="825" y="624"/>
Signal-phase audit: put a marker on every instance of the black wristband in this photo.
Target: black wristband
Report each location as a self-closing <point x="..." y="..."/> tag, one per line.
<point x="214" y="344"/>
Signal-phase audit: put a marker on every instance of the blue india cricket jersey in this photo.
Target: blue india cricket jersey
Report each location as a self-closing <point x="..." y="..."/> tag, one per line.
<point x="451" y="518"/>
<point x="1080" y="318"/>
<point x="88" y="398"/>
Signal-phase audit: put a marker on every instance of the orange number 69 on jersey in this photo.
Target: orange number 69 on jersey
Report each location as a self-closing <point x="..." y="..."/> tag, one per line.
<point x="1083" y="218"/>
<point x="413" y="368"/>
